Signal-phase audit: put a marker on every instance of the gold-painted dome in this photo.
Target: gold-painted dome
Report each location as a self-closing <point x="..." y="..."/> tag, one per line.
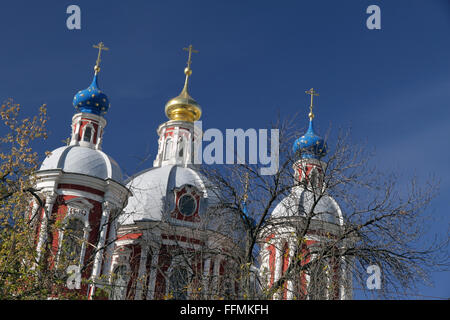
<point x="184" y="107"/>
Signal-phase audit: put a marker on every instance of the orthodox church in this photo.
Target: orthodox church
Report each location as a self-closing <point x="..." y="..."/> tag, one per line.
<point x="163" y="233"/>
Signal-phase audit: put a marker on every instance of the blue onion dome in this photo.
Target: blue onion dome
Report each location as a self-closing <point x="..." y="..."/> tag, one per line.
<point x="310" y="145"/>
<point x="92" y="99"/>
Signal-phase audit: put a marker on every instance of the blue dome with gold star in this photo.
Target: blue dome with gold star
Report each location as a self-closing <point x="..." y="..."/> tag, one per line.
<point x="310" y="145"/>
<point x="92" y="99"/>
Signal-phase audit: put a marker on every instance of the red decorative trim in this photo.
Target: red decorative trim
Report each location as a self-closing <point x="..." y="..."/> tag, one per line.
<point x="130" y="236"/>
<point x="304" y="173"/>
<point x="169" y="132"/>
<point x="269" y="237"/>
<point x="272" y="253"/>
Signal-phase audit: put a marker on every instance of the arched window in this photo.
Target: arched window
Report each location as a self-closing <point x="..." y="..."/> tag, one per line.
<point x="178" y="283"/>
<point x="226" y="289"/>
<point x="119" y="283"/>
<point x="72" y="242"/>
<point x="313" y="178"/>
<point x="180" y="147"/>
<point x="187" y="204"/>
<point x="318" y="281"/>
<point x="168" y="149"/>
<point x="87" y="136"/>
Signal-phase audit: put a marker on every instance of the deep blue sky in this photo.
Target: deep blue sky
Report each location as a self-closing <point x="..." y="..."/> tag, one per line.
<point x="391" y="86"/>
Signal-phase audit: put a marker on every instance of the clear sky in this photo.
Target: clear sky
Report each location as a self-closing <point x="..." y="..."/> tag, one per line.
<point x="391" y="86"/>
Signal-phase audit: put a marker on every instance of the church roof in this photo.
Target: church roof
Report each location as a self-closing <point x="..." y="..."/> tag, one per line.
<point x="153" y="199"/>
<point x="76" y="159"/>
<point x="299" y="203"/>
<point x="152" y="190"/>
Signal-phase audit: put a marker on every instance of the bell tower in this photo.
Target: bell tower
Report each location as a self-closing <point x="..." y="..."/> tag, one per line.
<point x="309" y="149"/>
<point x="301" y="227"/>
<point x="83" y="193"/>
<point x="178" y="137"/>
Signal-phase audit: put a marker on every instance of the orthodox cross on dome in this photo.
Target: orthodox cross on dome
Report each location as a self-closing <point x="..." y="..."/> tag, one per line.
<point x="100" y="46"/>
<point x="191" y="50"/>
<point x="312" y="93"/>
<point x="187" y="70"/>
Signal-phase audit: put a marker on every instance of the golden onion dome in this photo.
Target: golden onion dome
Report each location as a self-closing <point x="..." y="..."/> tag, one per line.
<point x="184" y="107"/>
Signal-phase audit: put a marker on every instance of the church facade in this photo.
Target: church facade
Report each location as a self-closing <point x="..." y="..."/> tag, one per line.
<point x="164" y="233"/>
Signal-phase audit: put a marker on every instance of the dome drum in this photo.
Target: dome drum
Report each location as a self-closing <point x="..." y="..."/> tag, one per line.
<point x="87" y="130"/>
<point x="300" y="203"/>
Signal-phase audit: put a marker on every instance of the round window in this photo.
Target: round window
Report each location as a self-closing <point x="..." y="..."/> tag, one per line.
<point x="187" y="204"/>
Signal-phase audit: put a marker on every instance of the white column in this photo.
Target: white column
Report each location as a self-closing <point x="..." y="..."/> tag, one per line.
<point x="264" y="271"/>
<point x="161" y="147"/>
<point x="87" y="231"/>
<point x="346" y="281"/>
<point x="104" y="226"/>
<point x="291" y="283"/>
<point x="196" y="144"/>
<point x="216" y="274"/>
<point x="33" y="216"/>
<point x="164" y="148"/>
<point x="141" y="278"/>
<point x="175" y="135"/>
<point x="308" y="276"/>
<point x="278" y="264"/>
<point x="110" y="245"/>
<point x="49" y="202"/>
<point x="98" y="133"/>
<point x="189" y="145"/>
<point x="74" y="140"/>
<point x="153" y="272"/>
<point x="206" y="267"/>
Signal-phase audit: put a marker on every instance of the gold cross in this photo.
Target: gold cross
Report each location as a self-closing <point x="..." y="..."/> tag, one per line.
<point x="190" y="49"/>
<point x="312" y="93"/>
<point x="100" y="46"/>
